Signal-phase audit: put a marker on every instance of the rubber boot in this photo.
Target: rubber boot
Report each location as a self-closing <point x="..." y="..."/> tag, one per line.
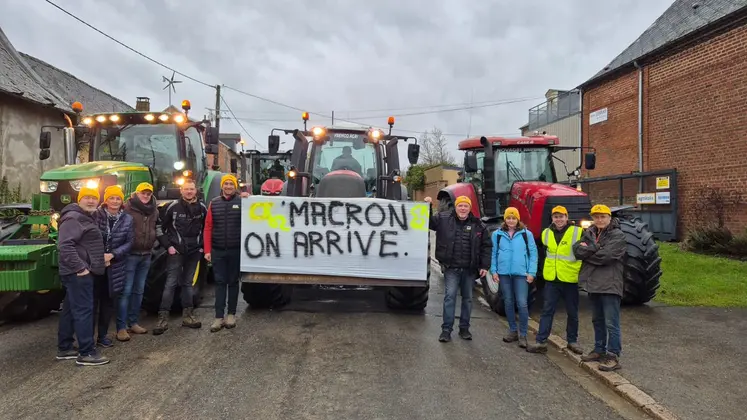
<point x="163" y="323"/>
<point x="188" y="319"/>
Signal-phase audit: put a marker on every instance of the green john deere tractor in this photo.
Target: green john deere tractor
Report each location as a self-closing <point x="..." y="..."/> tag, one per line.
<point x="161" y="148"/>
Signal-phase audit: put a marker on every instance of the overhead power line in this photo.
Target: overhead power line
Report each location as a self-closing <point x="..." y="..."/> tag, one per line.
<point x="228" y="107"/>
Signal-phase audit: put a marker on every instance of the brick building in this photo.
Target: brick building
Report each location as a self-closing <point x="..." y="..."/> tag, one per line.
<point x="692" y="68"/>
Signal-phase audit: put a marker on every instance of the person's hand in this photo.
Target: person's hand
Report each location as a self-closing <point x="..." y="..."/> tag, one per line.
<point x="495" y="277"/>
<point x="172" y="250"/>
<point x="108" y="257"/>
<point x="107" y="263"/>
<point x="208" y="257"/>
<point x="83" y="273"/>
<point x="483" y="272"/>
<point x="428" y="200"/>
<point x="584" y="244"/>
<point x="530" y="278"/>
<point x="244" y="194"/>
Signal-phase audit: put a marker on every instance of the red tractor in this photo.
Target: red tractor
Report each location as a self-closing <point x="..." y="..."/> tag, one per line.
<point x="520" y="172"/>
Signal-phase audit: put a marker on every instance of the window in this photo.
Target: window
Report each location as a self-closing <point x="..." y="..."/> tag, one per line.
<point x="522" y="164"/>
<point x="346" y="151"/>
<point x="193" y="146"/>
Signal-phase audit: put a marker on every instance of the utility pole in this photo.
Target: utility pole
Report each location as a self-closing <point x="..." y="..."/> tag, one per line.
<point x="217" y="118"/>
<point x="333" y="117"/>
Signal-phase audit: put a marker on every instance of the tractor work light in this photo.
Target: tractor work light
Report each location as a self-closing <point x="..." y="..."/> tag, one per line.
<point x="292" y="173"/>
<point x="179" y="118"/>
<point x="180" y="181"/>
<point x="585" y="224"/>
<point x="163" y="117"/>
<point x="375" y="135"/>
<point x="149" y="117"/>
<point x="101" y="118"/>
<point x="318" y="131"/>
<point x="88" y="121"/>
<point x="179" y="165"/>
<point x="114" y="118"/>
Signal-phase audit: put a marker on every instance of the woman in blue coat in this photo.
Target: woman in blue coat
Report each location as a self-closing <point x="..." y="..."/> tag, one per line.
<point x="118" y="232"/>
<point x="514" y="265"/>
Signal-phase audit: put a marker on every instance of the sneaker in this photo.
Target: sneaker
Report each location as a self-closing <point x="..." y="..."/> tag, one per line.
<point x="537" y="348"/>
<point x="123" y="335"/>
<point x="67" y="354"/>
<point x="230" y="321"/>
<point x="511" y="337"/>
<point x="105" y="342"/>
<point x="523" y="342"/>
<point x="610" y="363"/>
<point x="93" y="359"/>
<point x="465" y="334"/>
<point x="137" y="329"/>
<point x="575" y="348"/>
<point x="592" y="357"/>
<point x="445" y="337"/>
<point x="217" y="325"/>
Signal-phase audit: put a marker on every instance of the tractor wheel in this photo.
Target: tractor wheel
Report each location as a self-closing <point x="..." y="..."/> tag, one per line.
<point x="643" y="263"/>
<point x="32" y="306"/>
<point x="494" y="295"/>
<point x="445" y="204"/>
<point x="266" y="295"/>
<point x="409" y="298"/>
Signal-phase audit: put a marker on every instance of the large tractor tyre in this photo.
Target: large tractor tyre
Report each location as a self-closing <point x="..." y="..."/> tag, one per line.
<point x="643" y="263"/>
<point x="494" y="295"/>
<point x="409" y="298"/>
<point x="32" y="306"/>
<point x="445" y="204"/>
<point x="266" y="295"/>
<point x="156" y="282"/>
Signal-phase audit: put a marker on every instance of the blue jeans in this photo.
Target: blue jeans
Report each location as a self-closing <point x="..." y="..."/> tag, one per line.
<point x="606" y="320"/>
<point x="515" y="291"/>
<point x="77" y="314"/>
<point x="226" y="269"/>
<point x="462" y="280"/>
<point x="131" y="298"/>
<point x="552" y="293"/>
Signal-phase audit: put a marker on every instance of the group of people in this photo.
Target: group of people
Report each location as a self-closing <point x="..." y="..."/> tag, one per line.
<point x="105" y="254"/>
<point x="593" y="257"/>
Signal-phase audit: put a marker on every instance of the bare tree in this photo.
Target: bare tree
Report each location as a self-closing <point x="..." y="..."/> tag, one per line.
<point x="433" y="149"/>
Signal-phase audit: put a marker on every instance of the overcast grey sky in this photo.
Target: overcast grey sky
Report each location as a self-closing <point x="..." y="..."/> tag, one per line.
<point x="363" y="59"/>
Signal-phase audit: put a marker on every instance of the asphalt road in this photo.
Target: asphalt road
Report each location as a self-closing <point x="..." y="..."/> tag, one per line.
<point x="320" y="358"/>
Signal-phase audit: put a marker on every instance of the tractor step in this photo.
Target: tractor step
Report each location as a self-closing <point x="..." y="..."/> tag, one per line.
<point x="28" y="268"/>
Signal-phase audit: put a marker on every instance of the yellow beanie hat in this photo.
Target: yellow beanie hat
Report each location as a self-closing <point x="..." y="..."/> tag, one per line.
<point x="229" y="177"/>
<point x="113" y="191"/>
<point x="144" y="186"/>
<point x="88" y="192"/>
<point x="462" y="199"/>
<point x="511" y="212"/>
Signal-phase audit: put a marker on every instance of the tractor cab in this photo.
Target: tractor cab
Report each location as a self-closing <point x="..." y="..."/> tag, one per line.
<point x="127" y="148"/>
<point x="340" y="161"/>
<point x="265" y="172"/>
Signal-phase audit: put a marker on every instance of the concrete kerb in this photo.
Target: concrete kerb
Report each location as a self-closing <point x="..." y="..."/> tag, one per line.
<point x="612" y="379"/>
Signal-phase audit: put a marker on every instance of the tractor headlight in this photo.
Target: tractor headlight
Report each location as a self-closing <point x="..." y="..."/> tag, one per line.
<point x="88" y="183"/>
<point x="585" y="224"/>
<point x="48" y="186"/>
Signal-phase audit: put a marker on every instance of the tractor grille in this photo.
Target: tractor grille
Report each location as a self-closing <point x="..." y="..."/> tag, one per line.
<point x="578" y="208"/>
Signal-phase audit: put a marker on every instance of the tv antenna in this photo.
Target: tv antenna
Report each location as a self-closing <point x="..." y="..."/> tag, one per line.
<point x="170" y="84"/>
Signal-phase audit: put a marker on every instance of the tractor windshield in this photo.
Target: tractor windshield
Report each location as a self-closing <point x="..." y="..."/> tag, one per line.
<point x="347" y="151"/>
<point x="271" y="167"/>
<point x="522" y="164"/>
<point x="154" y="145"/>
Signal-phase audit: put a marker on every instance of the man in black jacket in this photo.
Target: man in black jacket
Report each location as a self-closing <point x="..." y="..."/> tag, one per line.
<point x="81" y="248"/>
<point x="463" y="247"/>
<point x="181" y="235"/>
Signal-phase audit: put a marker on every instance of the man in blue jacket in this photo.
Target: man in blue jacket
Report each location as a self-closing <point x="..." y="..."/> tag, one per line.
<point x="463" y="248"/>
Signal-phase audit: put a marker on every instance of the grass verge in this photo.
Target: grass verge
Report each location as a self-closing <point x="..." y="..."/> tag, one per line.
<point x="691" y="279"/>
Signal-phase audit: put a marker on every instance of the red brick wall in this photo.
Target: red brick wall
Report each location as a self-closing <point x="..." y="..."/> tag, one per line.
<point x="695" y="120"/>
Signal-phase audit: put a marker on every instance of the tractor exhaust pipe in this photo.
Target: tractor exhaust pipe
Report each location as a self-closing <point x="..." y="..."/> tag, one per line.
<point x="68" y="139"/>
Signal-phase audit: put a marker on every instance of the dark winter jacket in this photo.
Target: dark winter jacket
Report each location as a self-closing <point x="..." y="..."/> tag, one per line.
<point x="449" y="228"/>
<point x="79" y="242"/>
<point x="183" y="223"/>
<point x="119" y="234"/>
<point x="146" y="222"/>
<point x="602" y="259"/>
<point x="223" y="223"/>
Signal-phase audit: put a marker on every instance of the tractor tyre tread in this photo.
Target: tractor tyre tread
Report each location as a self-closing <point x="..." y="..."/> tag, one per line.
<point x="266" y="295"/>
<point x="643" y="264"/>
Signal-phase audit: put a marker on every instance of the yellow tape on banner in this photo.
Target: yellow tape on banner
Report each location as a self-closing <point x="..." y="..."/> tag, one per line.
<point x="262" y="211"/>
<point x="420" y="215"/>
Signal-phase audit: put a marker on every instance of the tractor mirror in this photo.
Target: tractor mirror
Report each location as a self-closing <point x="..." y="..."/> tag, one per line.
<point x="211" y="149"/>
<point x="590" y="161"/>
<point x="212" y="135"/>
<point x="234" y="166"/>
<point x="470" y="162"/>
<point x="413" y="153"/>
<point x="273" y="143"/>
<point x="45" y="140"/>
<point x="43" y="154"/>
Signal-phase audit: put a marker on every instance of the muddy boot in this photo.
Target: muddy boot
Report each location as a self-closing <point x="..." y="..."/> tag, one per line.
<point x="592" y="357"/>
<point x="523" y="342"/>
<point x="537" y="348"/>
<point x="163" y="323"/>
<point x="217" y="325"/>
<point x="511" y="337"/>
<point x="610" y="363"/>
<point x="230" y="321"/>
<point x="123" y="335"/>
<point x="575" y="348"/>
<point x="188" y="319"/>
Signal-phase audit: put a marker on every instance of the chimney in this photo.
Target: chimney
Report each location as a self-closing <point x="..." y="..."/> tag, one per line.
<point x="143" y="104"/>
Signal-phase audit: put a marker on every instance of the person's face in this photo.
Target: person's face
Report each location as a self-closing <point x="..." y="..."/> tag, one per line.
<point x="511" y="221"/>
<point x="114" y="202"/>
<point x="145" y="196"/>
<point x="229" y="188"/>
<point x="189" y="191"/>
<point x="462" y="210"/>
<point x="89" y="203"/>
<point x="559" y="220"/>
<point x="601" y="221"/>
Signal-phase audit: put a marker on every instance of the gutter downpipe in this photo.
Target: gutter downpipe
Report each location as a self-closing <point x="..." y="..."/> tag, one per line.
<point x="580" y="131"/>
<point x="640" y="124"/>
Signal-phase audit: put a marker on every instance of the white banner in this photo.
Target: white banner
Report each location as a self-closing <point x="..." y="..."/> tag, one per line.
<point x="352" y="237"/>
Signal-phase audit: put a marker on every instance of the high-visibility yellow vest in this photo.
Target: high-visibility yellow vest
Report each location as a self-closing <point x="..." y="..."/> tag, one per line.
<point x="560" y="263"/>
